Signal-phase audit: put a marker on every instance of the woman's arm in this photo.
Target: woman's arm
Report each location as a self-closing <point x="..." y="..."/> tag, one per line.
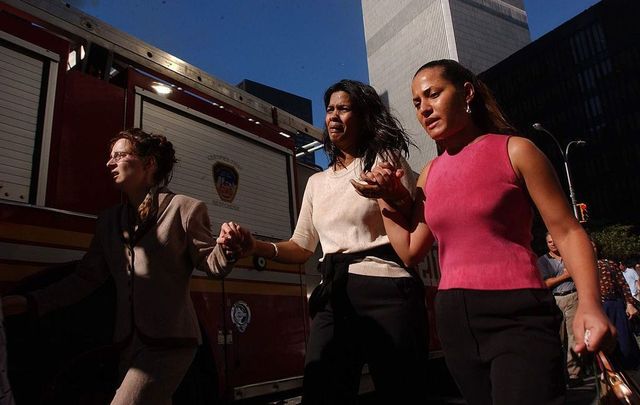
<point x="403" y="220"/>
<point x="295" y="251"/>
<point x="531" y="165"/>
<point x="287" y="251"/>
<point x="560" y="278"/>
<point x="206" y="254"/>
<point x="240" y="240"/>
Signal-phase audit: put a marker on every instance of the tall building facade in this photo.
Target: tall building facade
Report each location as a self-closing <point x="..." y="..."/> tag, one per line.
<point x="582" y="81"/>
<point x="402" y="35"/>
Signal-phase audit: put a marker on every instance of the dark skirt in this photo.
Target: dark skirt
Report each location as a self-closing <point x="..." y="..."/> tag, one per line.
<point x="627" y="353"/>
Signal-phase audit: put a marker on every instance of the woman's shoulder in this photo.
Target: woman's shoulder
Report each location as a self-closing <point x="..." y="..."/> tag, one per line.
<point x="518" y="143"/>
<point x="181" y="200"/>
<point x="524" y="153"/>
<point x="317" y="179"/>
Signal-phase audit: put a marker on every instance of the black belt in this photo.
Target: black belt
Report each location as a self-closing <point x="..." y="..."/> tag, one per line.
<point x="560" y="294"/>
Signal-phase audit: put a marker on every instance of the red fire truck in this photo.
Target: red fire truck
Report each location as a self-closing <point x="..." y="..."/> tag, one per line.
<point x="68" y="83"/>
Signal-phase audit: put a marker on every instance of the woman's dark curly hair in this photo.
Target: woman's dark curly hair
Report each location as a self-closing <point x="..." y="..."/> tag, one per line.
<point x="381" y="133"/>
<point x="147" y="145"/>
<point x="485" y="111"/>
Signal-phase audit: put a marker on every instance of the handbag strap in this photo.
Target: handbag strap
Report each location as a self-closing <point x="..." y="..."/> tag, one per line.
<point x="615" y="380"/>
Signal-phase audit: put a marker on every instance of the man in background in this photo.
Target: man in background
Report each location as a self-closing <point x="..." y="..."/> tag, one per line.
<point x="632" y="278"/>
<point x="556" y="277"/>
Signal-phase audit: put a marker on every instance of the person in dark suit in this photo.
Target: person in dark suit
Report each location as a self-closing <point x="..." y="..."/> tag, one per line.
<point x="149" y="245"/>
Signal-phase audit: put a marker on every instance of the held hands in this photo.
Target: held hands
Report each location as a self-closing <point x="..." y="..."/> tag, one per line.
<point x="592" y="329"/>
<point x="235" y="241"/>
<point x="383" y="181"/>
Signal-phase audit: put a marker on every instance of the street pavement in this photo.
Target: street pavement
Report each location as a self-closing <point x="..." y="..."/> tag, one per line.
<point x="583" y="395"/>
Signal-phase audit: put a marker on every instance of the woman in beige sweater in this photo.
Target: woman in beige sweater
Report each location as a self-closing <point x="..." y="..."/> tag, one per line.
<point x="369" y="307"/>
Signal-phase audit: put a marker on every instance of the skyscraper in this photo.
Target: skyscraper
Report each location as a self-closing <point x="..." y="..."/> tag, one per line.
<point x="402" y="35"/>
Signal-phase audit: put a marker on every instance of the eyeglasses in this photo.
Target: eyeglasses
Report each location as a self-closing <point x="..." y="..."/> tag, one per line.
<point x="118" y="156"/>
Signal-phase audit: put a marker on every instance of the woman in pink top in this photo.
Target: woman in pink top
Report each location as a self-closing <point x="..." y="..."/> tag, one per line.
<point x="497" y="323"/>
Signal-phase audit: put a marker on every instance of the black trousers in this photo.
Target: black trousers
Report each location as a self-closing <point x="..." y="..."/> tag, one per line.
<point x="502" y="347"/>
<point x="384" y="326"/>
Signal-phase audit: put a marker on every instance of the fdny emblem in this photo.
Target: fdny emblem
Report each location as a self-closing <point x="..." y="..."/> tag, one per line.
<point x="225" y="178"/>
<point x="241" y="315"/>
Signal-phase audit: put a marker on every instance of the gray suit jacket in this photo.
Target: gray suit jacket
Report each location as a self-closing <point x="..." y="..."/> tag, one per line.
<point x="152" y="277"/>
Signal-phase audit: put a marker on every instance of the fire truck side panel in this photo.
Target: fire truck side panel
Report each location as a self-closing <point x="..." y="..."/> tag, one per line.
<point x="93" y="113"/>
<point x="207" y="298"/>
<point x="239" y="180"/>
<point x="33" y="238"/>
<point x="255" y="355"/>
<point x="32" y="63"/>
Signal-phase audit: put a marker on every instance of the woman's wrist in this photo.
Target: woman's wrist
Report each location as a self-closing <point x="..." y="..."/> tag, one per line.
<point x="268" y="250"/>
<point x="399" y="202"/>
<point x="589" y="301"/>
<point x="275" y="250"/>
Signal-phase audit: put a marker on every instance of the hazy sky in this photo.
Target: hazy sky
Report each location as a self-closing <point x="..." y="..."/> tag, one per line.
<point x="300" y="46"/>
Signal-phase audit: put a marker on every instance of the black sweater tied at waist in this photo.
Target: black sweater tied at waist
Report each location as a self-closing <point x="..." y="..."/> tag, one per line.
<point x="335" y="269"/>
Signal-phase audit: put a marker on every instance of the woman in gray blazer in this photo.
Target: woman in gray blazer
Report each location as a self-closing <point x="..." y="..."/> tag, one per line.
<point x="149" y="245"/>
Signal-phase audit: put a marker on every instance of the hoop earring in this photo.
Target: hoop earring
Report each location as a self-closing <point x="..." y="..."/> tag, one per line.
<point x="468" y="109"/>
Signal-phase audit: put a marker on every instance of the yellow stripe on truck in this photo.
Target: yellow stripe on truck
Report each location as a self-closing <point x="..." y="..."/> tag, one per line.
<point x="50" y="236"/>
<point x="16" y="272"/>
<point x="245" y="287"/>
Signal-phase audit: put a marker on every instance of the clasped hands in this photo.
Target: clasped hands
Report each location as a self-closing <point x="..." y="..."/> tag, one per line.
<point x="383" y="181"/>
<point x="235" y="241"/>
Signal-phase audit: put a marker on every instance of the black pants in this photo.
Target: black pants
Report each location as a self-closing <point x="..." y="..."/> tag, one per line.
<point x="384" y="326"/>
<point x="502" y="347"/>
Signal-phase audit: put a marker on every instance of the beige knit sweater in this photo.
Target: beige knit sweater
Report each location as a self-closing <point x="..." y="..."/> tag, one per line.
<point x="333" y="214"/>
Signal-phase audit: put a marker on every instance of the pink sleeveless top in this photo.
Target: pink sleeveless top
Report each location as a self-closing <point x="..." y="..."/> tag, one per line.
<point x="481" y="217"/>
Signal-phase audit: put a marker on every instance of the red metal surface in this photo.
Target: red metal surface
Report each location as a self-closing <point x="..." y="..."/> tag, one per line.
<point x="273" y="345"/>
<point x="20" y="25"/>
<point x="93" y="114"/>
<point x="36" y="216"/>
<point x="209" y="310"/>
